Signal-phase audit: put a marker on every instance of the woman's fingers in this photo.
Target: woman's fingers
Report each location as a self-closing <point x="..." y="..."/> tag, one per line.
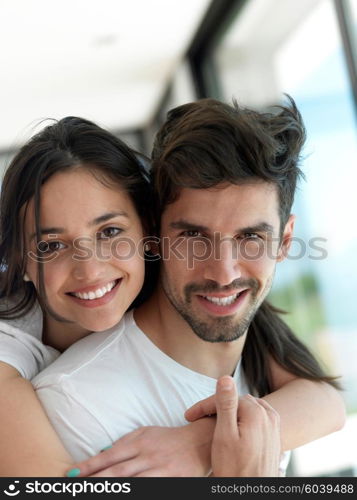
<point x="201" y="409"/>
<point x="269" y="409"/>
<point x="121" y="451"/>
<point x="129" y="468"/>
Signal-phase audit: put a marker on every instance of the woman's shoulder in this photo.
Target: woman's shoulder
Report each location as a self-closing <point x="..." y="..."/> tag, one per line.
<point x="21" y="343"/>
<point x="31" y="323"/>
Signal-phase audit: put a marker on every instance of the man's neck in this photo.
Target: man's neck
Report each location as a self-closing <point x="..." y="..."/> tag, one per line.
<point x="166" y="328"/>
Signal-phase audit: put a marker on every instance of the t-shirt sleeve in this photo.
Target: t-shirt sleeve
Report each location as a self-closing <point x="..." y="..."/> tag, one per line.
<point x="23" y="351"/>
<point x="284" y="462"/>
<point x="78" y="429"/>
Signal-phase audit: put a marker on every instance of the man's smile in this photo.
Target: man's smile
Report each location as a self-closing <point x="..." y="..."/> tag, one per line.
<point x="222" y="305"/>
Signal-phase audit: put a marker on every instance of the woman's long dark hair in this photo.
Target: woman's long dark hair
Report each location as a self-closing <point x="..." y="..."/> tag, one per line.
<point x="268" y="335"/>
<point x="67" y="143"/>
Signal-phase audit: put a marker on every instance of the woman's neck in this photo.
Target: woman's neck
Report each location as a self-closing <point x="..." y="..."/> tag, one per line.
<point x="59" y="334"/>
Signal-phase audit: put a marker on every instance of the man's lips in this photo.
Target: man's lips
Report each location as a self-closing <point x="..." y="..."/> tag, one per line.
<point x="222" y="294"/>
<point x="222" y="304"/>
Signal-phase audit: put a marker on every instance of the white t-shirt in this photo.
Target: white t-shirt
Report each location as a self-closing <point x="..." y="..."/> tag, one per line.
<point x="21" y="345"/>
<point x="105" y="385"/>
<point x="111" y="383"/>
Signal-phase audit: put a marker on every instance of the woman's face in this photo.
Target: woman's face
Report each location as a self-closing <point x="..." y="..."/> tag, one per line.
<point x="91" y="246"/>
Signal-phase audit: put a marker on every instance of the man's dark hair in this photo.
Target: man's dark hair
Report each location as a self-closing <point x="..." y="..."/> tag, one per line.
<point x="206" y="143"/>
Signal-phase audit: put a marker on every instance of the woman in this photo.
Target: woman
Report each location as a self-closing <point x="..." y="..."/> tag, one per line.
<point x="73" y="198"/>
<point x="75" y="209"/>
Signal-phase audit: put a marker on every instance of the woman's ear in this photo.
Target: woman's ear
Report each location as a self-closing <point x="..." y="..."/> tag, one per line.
<point x="286" y="239"/>
<point x="152" y="245"/>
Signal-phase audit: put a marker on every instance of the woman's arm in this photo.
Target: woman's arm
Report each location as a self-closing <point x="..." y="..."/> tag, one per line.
<point x="308" y="410"/>
<point x="246" y="442"/>
<point x="29" y="445"/>
<point x="155" y="452"/>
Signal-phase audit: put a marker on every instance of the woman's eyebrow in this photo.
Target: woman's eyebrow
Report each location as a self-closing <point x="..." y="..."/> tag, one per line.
<point x="94" y="222"/>
<point x="108" y="216"/>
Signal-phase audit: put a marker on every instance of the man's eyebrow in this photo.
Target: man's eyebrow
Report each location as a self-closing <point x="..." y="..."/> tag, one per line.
<point x="94" y="222"/>
<point x="262" y="227"/>
<point x="187" y="225"/>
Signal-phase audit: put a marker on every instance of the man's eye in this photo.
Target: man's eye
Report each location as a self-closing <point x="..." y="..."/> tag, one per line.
<point x="192" y="233"/>
<point x="50" y="246"/>
<point x="109" y="232"/>
<point x="251" y="236"/>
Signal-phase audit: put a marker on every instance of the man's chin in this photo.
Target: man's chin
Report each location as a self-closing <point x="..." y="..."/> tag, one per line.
<point x="218" y="337"/>
<point x="221" y="329"/>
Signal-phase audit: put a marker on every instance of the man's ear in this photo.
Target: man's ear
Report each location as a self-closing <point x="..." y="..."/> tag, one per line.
<point x="286" y="239"/>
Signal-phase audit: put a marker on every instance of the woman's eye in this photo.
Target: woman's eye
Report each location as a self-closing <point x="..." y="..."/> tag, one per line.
<point x="109" y="232"/>
<point x="50" y="246"/>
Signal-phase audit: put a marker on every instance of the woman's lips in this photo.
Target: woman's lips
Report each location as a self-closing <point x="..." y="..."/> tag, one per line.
<point x="97" y="301"/>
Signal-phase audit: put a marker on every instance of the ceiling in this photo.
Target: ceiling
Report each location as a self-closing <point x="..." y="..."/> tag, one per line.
<point x="105" y="60"/>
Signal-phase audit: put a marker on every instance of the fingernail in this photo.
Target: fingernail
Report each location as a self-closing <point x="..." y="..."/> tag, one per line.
<point x="73" y="472"/>
<point x="107" y="447"/>
<point x="226" y="383"/>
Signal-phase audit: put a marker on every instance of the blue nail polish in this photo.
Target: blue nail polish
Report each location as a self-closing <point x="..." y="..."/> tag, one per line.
<point x="73" y="472"/>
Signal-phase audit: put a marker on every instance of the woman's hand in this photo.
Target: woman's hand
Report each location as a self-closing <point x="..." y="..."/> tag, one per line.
<point x="203" y="408"/>
<point x="249" y="447"/>
<point x="156" y="452"/>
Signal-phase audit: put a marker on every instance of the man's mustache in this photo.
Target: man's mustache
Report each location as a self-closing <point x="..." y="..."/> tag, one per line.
<point x="211" y="286"/>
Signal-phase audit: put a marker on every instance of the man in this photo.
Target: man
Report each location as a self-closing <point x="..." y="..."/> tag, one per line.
<point x="224" y="181"/>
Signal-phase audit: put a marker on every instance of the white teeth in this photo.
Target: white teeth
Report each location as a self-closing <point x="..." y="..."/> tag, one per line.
<point x="223" y="301"/>
<point x="96" y="294"/>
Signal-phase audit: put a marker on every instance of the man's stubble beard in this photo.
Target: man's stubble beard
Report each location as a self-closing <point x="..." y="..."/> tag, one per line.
<point x="219" y="329"/>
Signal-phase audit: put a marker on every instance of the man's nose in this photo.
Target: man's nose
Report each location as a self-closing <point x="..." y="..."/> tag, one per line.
<point x="223" y="266"/>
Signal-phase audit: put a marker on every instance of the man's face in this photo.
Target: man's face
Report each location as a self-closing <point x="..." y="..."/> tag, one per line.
<point x="219" y="249"/>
